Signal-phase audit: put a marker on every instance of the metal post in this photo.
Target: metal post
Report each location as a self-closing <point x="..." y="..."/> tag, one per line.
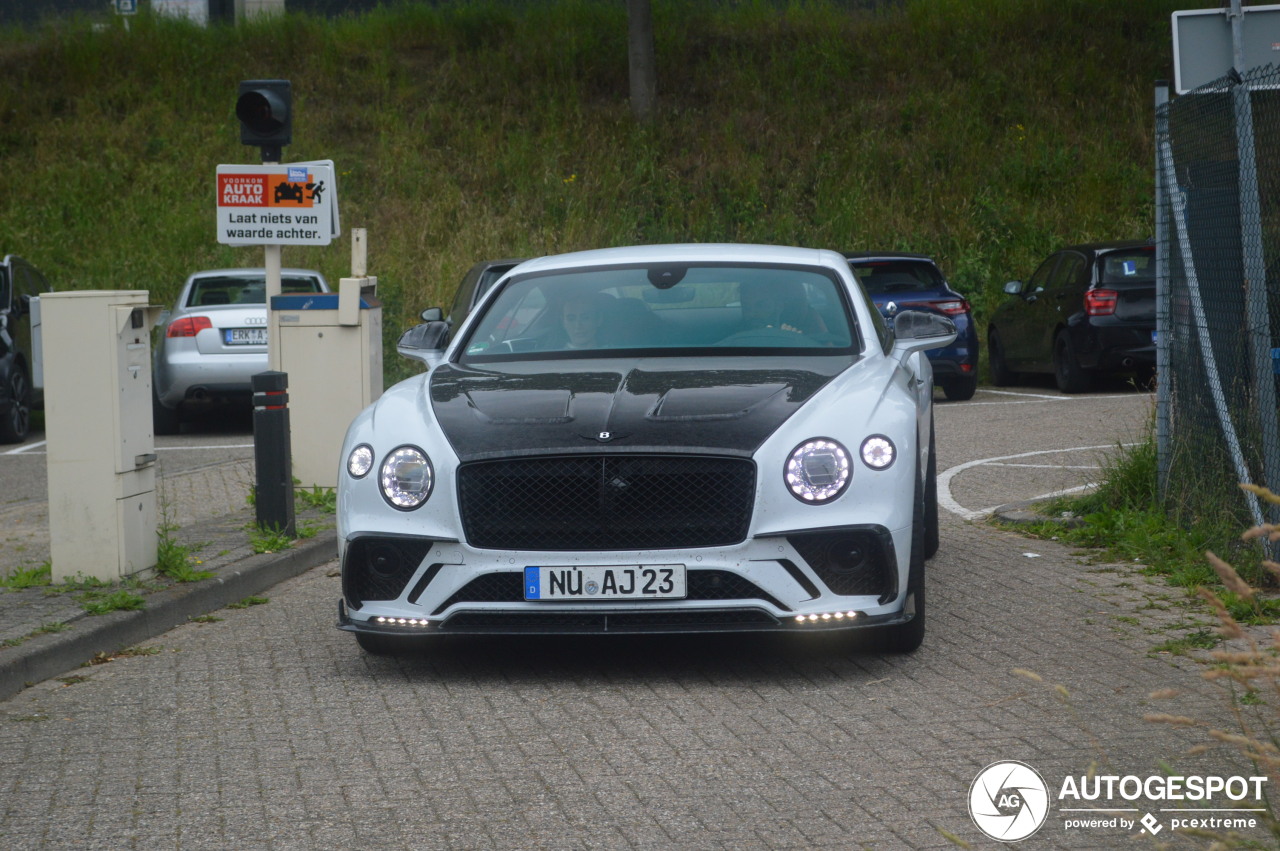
<point x="1258" y="337"/>
<point x="272" y="261"/>
<point x="272" y="455"/>
<point x="1178" y="210"/>
<point x="1164" y="377"/>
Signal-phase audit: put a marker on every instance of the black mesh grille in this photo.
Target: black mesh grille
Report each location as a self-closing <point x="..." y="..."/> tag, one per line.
<point x="560" y="622"/>
<point x="379" y="568"/>
<point x="508" y="587"/>
<point x="608" y="502"/>
<point x="850" y="562"/>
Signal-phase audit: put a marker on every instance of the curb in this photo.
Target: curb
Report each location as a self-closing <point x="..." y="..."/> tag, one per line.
<point x="46" y="656"/>
<point x="1025" y="513"/>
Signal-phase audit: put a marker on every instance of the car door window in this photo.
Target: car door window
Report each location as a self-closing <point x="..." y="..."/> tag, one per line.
<point x="1069" y="273"/>
<point x="1040" y="280"/>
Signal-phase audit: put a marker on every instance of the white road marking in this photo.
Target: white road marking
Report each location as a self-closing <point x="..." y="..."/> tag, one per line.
<point x="947" y="501"/>
<point x="22" y="449"/>
<point x="29" y="446"/>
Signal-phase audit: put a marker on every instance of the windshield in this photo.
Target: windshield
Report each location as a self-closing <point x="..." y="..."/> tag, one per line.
<point x="665" y="310"/>
<point x="243" y="289"/>
<point x="889" y="276"/>
<point x="1134" y="264"/>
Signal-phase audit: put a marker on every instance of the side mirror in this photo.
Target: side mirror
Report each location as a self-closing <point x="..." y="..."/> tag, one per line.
<point x="917" y="330"/>
<point x="1013" y="287"/>
<point x="432" y="314"/>
<point x="427" y="337"/>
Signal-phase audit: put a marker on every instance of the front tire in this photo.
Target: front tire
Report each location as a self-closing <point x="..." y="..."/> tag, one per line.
<point x="907" y="637"/>
<point x="932" y="533"/>
<point x="17" y="421"/>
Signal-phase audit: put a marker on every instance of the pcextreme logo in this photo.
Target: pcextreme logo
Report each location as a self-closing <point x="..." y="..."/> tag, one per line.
<point x="1009" y="801"/>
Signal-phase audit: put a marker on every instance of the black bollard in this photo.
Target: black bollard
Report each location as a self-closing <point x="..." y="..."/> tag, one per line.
<point x="272" y="457"/>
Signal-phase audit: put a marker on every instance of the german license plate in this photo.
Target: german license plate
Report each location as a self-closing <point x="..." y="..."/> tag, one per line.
<point x="245" y="336"/>
<point x="606" y="582"/>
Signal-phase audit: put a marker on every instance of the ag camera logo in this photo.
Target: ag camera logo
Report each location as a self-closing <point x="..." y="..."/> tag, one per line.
<point x="1008" y="800"/>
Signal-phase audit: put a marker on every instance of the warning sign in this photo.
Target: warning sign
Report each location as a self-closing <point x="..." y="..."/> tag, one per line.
<point x="275" y="205"/>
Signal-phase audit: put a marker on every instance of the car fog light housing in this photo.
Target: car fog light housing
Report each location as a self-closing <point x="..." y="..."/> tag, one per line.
<point x="406" y="478"/>
<point x="360" y="461"/>
<point x="878" y="452"/>
<point x="818" y="471"/>
<point x="819" y="617"/>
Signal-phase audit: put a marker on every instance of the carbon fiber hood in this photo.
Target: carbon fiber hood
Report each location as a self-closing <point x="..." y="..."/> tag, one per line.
<point x="723" y="405"/>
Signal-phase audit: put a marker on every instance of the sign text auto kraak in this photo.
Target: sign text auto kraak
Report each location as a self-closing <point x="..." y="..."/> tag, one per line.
<point x="274" y="205"/>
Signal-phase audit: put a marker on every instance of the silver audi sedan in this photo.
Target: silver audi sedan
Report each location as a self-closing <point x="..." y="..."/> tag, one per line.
<point x="215" y="339"/>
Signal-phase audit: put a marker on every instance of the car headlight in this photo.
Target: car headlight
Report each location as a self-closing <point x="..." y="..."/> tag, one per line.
<point x="818" y="471"/>
<point x="360" y="461"/>
<point x="878" y="452"/>
<point x="406" y="478"/>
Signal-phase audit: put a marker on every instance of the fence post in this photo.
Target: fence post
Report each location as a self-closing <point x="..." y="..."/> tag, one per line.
<point x="1258" y="318"/>
<point x="272" y="459"/>
<point x="1164" y="375"/>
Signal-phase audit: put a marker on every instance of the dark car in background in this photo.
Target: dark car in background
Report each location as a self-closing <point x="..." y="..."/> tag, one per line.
<point x="21" y="384"/>
<point x="478" y="280"/>
<point x="1087" y="310"/>
<point x="900" y="281"/>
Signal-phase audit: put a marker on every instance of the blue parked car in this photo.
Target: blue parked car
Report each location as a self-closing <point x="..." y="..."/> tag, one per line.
<point x="898" y="281"/>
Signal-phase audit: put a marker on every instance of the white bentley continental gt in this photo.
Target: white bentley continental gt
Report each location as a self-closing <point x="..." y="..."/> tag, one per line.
<point x="679" y="438"/>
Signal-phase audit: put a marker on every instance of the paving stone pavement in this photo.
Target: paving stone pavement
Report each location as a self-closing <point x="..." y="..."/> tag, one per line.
<point x="268" y="728"/>
<point x="44" y="631"/>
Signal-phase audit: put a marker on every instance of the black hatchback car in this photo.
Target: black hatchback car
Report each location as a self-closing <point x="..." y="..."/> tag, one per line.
<point x="21" y="384"/>
<point x="1088" y="309"/>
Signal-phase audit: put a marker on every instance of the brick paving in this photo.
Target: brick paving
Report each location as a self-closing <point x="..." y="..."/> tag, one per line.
<point x="266" y="728"/>
<point x="270" y="729"/>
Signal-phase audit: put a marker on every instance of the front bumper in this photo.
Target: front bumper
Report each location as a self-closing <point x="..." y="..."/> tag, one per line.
<point x="835" y="578"/>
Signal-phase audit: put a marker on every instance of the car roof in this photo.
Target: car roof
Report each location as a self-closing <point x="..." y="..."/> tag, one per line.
<point x="887" y="255"/>
<point x="247" y="271"/>
<point x="688" y="253"/>
<point x="1099" y="247"/>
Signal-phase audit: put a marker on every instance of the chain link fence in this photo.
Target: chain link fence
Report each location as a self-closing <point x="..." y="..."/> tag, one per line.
<point x="1218" y="308"/>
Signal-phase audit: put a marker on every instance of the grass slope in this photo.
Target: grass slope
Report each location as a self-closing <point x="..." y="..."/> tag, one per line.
<point x="985" y="132"/>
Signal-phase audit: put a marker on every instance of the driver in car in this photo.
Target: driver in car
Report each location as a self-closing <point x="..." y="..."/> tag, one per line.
<point x="781" y="305"/>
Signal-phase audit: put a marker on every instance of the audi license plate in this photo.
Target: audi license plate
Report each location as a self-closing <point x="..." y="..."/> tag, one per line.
<point x="606" y="582"/>
<point x="245" y="336"/>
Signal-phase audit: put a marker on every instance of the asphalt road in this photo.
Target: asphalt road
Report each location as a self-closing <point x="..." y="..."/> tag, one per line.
<point x="226" y="435"/>
<point x="268" y="728"/>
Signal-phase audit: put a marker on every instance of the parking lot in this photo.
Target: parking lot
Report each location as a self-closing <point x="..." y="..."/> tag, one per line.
<point x="267" y="728"/>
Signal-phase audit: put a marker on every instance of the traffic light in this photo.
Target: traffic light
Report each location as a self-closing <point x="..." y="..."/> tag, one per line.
<point x="264" y="108"/>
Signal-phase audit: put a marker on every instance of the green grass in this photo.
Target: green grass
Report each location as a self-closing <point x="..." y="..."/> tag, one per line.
<point x="1125" y="520"/>
<point x="985" y="132"/>
<point x="102" y="602"/>
<point x="267" y="540"/>
<point x="29" y="577"/>
<point x="174" y="560"/>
